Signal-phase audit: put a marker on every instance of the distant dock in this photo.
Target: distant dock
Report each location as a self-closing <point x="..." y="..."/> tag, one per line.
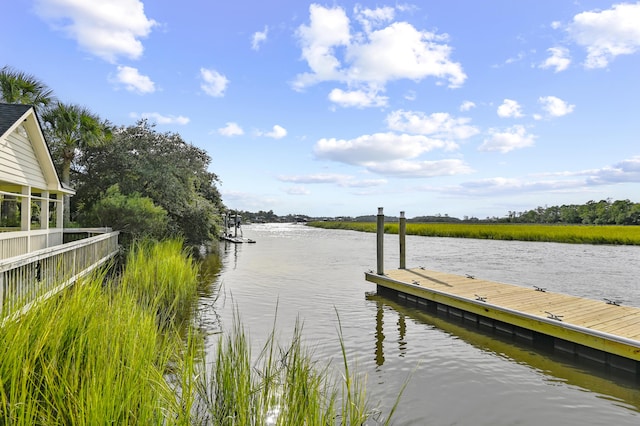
<point x="600" y="331"/>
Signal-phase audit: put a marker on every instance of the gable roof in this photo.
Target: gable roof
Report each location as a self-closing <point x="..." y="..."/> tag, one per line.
<point x="10" y="114"/>
<point x="11" y="117"/>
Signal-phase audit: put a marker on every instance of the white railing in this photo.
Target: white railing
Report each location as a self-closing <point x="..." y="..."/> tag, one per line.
<point x="40" y="274"/>
<point x="16" y="243"/>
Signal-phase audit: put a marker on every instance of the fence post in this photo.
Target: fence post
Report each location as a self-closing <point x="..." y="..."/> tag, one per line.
<point x="380" y="247"/>
<point x="402" y="232"/>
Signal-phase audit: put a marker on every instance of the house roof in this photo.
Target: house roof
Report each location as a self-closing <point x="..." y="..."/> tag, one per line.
<point x="9" y="114"/>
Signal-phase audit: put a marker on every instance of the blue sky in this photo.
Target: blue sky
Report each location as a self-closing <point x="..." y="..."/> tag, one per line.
<point x="461" y="107"/>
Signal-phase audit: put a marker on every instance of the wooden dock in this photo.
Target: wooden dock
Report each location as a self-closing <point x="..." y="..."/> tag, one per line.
<point x="600" y="331"/>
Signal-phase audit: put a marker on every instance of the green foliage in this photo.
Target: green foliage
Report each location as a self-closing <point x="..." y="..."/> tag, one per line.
<point x="160" y="166"/>
<point x="88" y="357"/>
<point x="162" y="277"/>
<point x="603" y="212"/>
<point x="134" y="216"/>
<point x="17" y="87"/>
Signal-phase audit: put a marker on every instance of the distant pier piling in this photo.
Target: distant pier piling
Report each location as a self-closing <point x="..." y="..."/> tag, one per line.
<point x="402" y="232"/>
<point x="380" y="246"/>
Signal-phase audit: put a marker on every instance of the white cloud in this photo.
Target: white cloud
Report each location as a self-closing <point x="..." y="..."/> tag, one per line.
<point x="558" y="60"/>
<point x="439" y="124"/>
<point x="467" y="105"/>
<point x="622" y="172"/>
<point x="373" y="18"/>
<point x="400" y="51"/>
<point x="515" y="137"/>
<point x="213" y="83"/>
<point x="378" y="147"/>
<point x="366" y="61"/>
<point x="357" y="98"/>
<point x="417" y="169"/>
<point x="105" y="29"/>
<point x="278" y="132"/>
<point x="258" y="38"/>
<point x="607" y="33"/>
<point x="297" y="190"/>
<point x="510" y="108"/>
<point x="231" y="129"/>
<point x="337" y="179"/>
<point x="555" y="107"/>
<point x="165" y="119"/>
<point x="327" y="29"/>
<point x="133" y="81"/>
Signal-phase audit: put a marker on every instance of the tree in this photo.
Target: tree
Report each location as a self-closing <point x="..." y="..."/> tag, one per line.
<point x="134" y="216"/>
<point x="17" y="87"/>
<point x="72" y="128"/>
<point x="160" y="166"/>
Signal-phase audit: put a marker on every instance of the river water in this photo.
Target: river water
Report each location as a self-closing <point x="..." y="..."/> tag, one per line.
<point x="456" y="375"/>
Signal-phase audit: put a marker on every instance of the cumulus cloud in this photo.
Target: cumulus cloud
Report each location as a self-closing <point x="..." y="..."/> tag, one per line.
<point x="108" y="30"/>
<point x="357" y="98"/>
<point x="258" y="38"/>
<point x="366" y="61"/>
<point x="231" y="129"/>
<point x="558" y="59"/>
<point x="165" y="119"/>
<point x="510" y="109"/>
<point x="390" y="154"/>
<point x="278" y="132"/>
<point x="515" y="137"/>
<point x="555" y="107"/>
<point x="133" y="81"/>
<point x="378" y="147"/>
<point x="439" y="124"/>
<point x="213" y="83"/>
<point x="467" y="105"/>
<point x="607" y="33"/>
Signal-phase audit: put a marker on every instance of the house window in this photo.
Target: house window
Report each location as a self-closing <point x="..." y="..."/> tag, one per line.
<point x="10" y="212"/>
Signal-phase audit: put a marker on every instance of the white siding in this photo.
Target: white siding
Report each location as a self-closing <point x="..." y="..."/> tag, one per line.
<point x="19" y="162"/>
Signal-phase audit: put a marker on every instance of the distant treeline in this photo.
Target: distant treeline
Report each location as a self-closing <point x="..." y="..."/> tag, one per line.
<point x="603" y="212"/>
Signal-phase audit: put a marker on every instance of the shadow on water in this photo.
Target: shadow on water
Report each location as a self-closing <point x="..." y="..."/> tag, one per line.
<point x="555" y="367"/>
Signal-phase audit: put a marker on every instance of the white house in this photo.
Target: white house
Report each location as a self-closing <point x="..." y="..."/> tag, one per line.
<point x="31" y="194"/>
<point x="35" y="260"/>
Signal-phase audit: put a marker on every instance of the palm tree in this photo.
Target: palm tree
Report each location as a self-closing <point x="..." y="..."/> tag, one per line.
<point x="17" y="87"/>
<point x="71" y="128"/>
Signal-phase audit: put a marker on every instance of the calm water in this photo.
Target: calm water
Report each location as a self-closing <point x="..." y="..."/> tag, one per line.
<point x="457" y="376"/>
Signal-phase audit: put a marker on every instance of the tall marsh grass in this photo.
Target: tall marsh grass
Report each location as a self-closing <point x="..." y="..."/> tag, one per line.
<point x="577" y="234"/>
<point x="125" y="352"/>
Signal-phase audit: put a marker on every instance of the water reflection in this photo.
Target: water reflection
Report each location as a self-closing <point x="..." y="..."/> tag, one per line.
<point x="556" y="369"/>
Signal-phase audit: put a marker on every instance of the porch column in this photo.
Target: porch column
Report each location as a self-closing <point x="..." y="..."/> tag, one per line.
<point x="25" y="209"/>
<point x="44" y="211"/>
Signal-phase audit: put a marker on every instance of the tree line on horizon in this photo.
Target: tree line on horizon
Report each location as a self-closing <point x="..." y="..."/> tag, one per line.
<point x="145" y="183"/>
<point x="603" y="212"/>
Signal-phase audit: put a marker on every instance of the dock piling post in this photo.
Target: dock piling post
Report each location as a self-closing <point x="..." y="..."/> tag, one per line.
<point x="402" y="232"/>
<point x="380" y="246"/>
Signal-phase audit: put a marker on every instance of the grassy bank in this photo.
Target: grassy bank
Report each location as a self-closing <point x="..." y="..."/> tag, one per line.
<point x="577" y="234"/>
<point x="125" y="351"/>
